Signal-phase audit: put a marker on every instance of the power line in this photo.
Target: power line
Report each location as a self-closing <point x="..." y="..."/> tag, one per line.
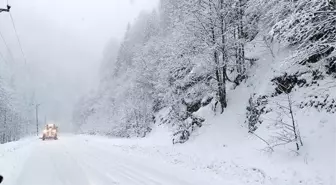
<point x="17" y="37"/>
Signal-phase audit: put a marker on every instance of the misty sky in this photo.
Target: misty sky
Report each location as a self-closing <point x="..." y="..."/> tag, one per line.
<point x="63" y="41"/>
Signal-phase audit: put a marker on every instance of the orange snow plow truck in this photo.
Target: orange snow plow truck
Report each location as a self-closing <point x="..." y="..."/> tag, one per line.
<point x="50" y="132"/>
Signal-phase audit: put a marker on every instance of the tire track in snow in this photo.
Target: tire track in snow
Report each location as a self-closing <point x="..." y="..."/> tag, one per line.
<point x="94" y="164"/>
<point x="99" y="165"/>
<point x="145" y="171"/>
<point x="64" y="164"/>
<point x="94" y="175"/>
<point x="126" y="169"/>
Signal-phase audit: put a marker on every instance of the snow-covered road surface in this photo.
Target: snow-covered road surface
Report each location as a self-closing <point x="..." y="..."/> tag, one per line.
<point x="72" y="160"/>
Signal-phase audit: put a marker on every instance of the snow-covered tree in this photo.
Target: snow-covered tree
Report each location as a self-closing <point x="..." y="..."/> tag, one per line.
<point x="310" y="27"/>
<point x="186" y="54"/>
<point x="14" y="112"/>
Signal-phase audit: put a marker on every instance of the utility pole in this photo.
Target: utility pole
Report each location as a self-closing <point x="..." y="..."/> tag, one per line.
<point x="37" y="125"/>
<point x="5" y="10"/>
<point x="5" y="128"/>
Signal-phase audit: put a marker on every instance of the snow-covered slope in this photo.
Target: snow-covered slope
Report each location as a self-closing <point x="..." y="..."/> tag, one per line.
<point x="223" y="145"/>
<point x="289" y="56"/>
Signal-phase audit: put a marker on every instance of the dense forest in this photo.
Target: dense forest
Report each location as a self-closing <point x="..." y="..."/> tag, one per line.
<point x="16" y="107"/>
<point x="189" y="54"/>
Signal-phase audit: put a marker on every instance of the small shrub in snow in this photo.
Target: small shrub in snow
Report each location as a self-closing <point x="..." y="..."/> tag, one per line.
<point x="288" y="131"/>
<point x="255" y="108"/>
<point x="181" y="136"/>
<point x="186" y="128"/>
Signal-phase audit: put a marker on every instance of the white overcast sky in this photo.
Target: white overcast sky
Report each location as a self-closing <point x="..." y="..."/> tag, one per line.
<point x="63" y="41"/>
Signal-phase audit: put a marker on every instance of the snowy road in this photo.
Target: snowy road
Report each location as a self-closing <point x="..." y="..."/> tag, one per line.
<point x="72" y="160"/>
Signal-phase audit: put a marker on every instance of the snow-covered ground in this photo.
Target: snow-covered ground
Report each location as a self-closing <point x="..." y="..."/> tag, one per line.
<point x="75" y="160"/>
<point x="220" y="153"/>
<point x="223" y="147"/>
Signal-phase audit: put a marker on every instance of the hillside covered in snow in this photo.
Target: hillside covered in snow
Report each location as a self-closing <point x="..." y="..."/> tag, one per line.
<point x="242" y="88"/>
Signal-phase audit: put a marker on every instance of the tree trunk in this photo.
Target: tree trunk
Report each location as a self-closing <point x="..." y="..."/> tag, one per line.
<point x="240" y="46"/>
<point x="293" y="122"/>
<point x="224" y="57"/>
<point x="221" y="89"/>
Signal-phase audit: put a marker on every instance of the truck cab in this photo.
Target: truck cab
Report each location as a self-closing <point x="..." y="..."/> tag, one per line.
<point x="50" y="132"/>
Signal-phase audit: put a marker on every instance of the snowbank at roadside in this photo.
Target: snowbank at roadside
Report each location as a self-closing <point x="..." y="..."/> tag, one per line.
<point x="12" y="157"/>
